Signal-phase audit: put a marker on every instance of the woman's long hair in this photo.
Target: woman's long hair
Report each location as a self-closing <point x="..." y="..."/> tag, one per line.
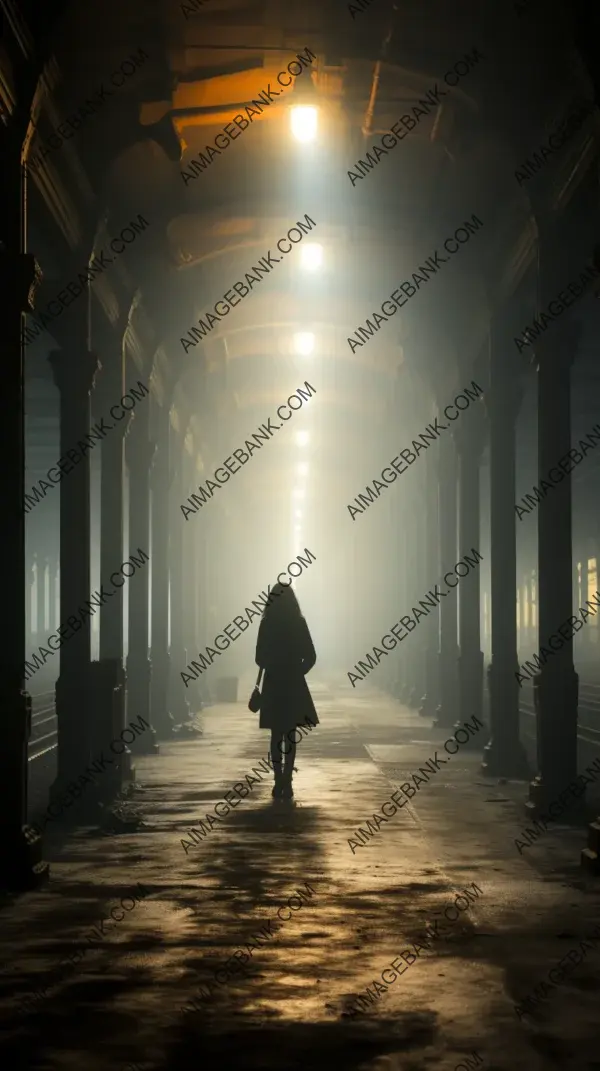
<point x="282" y="605"/>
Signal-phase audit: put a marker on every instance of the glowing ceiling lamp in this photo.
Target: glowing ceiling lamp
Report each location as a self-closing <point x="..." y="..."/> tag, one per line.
<point x="303" y="122"/>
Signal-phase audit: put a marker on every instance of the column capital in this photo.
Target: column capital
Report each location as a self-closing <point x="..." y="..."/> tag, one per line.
<point x="74" y="376"/>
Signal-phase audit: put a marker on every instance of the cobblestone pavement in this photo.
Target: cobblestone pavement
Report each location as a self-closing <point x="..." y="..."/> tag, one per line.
<point x="313" y="921"/>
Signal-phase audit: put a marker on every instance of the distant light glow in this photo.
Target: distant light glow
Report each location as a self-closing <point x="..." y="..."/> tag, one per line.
<point x="303" y="122"/>
<point x="302" y="468"/>
<point x="304" y="343"/>
<point x="298" y="492"/>
<point x="311" y="256"/>
<point x="302" y="438"/>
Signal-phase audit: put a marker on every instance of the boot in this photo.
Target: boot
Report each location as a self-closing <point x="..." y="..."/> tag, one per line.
<point x="278" y="786"/>
<point x="287" y="792"/>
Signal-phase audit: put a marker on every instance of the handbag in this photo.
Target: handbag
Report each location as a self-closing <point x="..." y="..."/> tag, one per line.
<point x="254" y="701"/>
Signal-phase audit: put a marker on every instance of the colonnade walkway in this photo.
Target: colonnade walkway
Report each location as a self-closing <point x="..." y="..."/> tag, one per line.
<point x="294" y="1005"/>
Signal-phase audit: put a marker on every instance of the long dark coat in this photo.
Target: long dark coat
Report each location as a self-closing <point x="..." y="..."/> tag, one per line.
<point x="285" y="651"/>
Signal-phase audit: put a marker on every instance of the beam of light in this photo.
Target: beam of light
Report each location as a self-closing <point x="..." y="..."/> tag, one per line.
<point x="303" y="123"/>
<point x="311" y="256"/>
<point x="302" y="438"/>
<point x="304" y="343"/>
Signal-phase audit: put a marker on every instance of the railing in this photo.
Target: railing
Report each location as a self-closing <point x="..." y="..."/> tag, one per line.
<point x="588" y="729"/>
<point x="44" y="728"/>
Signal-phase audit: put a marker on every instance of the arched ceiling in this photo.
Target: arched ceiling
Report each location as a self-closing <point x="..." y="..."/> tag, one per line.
<point x="205" y="64"/>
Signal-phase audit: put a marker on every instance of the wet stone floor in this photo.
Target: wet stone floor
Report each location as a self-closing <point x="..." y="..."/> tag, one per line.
<point x="267" y="941"/>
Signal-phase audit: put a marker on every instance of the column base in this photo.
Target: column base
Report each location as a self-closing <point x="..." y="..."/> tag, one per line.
<point x="163" y="721"/>
<point x="139" y="676"/>
<point x="165" y="728"/>
<point x="179" y="706"/>
<point x="590" y="856"/>
<point x="76" y="735"/>
<point x="427" y="707"/>
<point x="508" y="761"/>
<point x="504" y="754"/>
<point x="413" y="697"/>
<point x="556" y="699"/>
<point x="474" y="742"/>
<point x="428" y="704"/>
<point x="445" y="717"/>
<point x="195" y="690"/>
<point x="109" y="692"/>
<point x="446" y="711"/>
<point x="543" y="794"/>
<point x="22" y="868"/>
<point x="470" y="693"/>
<point x="95" y="798"/>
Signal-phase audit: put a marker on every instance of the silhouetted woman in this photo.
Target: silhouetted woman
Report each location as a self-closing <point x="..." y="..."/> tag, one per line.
<point x="285" y="651"/>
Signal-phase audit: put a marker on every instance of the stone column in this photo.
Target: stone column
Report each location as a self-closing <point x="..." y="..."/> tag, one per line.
<point x="504" y="754"/>
<point x="469" y="438"/>
<point x="110" y="677"/>
<point x="556" y="685"/>
<point x="404" y="593"/>
<point x="159" y="684"/>
<point x="202" y="575"/>
<point x="431" y="624"/>
<point x="30" y="575"/>
<point x="411" y="560"/>
<point x="21" y="865"/>
<point x="74" y="372"/>
<point x="111" y="515"/>
<point x="398" y="653"/>
<point x="42" y="570"/>
<point x="190" y="569"/>
<point x="193" y="591"/>
<point x="585" y="646"/>
<point x="417" y="651"/>
<point x="53" y="574"/>
<point x="140" y="453"/>
<point x="180" y="490"/>
<point x="448" y="710"/>
<point x="205" y="565"/>
<point x="36" y="639"/>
